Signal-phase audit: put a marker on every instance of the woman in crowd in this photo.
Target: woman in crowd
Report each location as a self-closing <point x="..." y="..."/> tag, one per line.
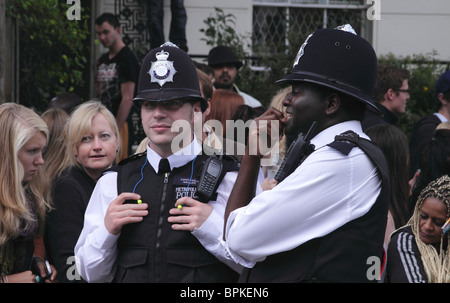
<point x="55" y="155"/>
<point x="419" y="252"/>
<point x="93" y="143"/>
<point x="24" y="194"/>
<point x="394" y="144"/>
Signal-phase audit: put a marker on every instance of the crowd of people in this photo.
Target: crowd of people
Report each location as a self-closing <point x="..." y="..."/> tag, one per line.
<point x="105" y="202"/>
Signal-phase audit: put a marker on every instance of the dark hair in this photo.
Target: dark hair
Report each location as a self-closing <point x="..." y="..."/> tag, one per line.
<point x="394" y="145"/>
<point x="65" y="101"/>
<point x="245" y="112"/>
<point x="434" y="163"/>
<point x="446" y="96"/>
<point x="389" y="77"/>
<point x="108" y="17"/>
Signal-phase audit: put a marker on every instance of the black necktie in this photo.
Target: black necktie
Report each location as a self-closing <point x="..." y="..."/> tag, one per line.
<point x="164" y="166"/>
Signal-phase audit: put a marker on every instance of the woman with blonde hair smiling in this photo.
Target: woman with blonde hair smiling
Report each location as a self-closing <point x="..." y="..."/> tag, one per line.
<point x="24" y="193"/>
<point x="93" y="144"/>
<point x="419" y="252"/>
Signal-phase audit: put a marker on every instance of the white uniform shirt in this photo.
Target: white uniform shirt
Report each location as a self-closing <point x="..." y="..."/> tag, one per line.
<point x="96" y="249"/>
<point x="324" y="193"/>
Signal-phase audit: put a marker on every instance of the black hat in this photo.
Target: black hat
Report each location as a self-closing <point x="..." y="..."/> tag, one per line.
<point x="222" y="55"/>
<point x="168" y="73"/>
<point x="443" y="83"/>
<point x="338" y="59"/>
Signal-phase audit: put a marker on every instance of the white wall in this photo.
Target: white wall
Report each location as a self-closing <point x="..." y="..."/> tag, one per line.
<point x="410" y="27"/>
<point x="198" y="11"/>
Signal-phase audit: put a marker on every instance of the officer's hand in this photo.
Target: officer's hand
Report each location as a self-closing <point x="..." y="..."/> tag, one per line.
<point x="119" y="214"/>
<point x="191" y="215"/>
<point x="267" y="129"/>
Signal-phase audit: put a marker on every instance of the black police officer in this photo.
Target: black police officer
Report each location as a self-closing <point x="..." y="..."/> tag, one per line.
<point x="325" y="221"/>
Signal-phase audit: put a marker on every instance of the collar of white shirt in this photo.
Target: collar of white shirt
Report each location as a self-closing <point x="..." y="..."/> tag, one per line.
<point x="178" y="159"/>
<point x="327" y="135"/>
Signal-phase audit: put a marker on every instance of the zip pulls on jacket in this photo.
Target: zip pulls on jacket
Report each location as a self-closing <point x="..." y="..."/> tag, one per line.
<point x="159" y="229"/>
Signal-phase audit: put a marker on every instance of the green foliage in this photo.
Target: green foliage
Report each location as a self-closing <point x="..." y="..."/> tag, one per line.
<point x="220" y="30"/>
<point x="53" y="49"/>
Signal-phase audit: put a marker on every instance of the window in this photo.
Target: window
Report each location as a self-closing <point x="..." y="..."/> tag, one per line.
<point x="275" y="21"/>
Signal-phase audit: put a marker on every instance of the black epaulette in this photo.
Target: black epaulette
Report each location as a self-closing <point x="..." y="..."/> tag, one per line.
<point x="235" y="164"/>
<point x="345" y="142"/>
<point x="115" y="168"/>
<point x="233" y="160"/>
<point x="132" y="157"/>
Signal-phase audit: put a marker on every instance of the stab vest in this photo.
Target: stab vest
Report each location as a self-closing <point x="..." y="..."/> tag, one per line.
<point x="343" y="255"/>
<point x="151" y="251"/>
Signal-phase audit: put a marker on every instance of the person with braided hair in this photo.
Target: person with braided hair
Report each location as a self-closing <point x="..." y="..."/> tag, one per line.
<point x="419" y="251"/>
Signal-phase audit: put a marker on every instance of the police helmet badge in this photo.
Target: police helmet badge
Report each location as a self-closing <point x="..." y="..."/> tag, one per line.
<point x="301" y="51"/>
<point x="346" y="28"/>
<point x="162" y="70"/>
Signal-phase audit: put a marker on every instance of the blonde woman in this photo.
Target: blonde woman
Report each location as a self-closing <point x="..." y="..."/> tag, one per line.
<point x="24" y="193"/>
<point x="419" y="252"/>
<point x="93" y="143"/>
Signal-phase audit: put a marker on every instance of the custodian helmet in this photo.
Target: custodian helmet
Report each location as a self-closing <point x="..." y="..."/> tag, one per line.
<point x="338" y="59"/>
<point x="168" y="73"/>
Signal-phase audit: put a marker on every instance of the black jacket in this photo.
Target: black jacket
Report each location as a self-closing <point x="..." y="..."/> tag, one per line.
<point x="421" y="136"/>
<point x="404" y="262"/>
<point x="70" y="194"/>
<point x="373" y="118"/>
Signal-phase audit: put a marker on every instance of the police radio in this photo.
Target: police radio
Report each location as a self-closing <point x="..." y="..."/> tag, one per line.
<point x="296" y="154"/>
<point x="209" y="177"/>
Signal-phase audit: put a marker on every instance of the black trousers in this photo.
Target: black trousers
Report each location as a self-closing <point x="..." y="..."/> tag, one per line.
<point x="177" y="34"/>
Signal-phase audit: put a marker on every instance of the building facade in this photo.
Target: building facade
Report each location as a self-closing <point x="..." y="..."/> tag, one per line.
<point x="400" y="27"/>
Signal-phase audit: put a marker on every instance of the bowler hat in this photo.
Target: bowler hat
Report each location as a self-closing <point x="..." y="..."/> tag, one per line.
<point x="168" y="73"/>
<point x="223" y="55"/>
<point x="338" y="59"/>
<point x="443" y="83"/>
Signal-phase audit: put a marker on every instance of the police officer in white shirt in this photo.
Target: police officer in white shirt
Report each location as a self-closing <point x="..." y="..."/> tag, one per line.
<point x="325" y="222"/>
<point x="145" y="221"/>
